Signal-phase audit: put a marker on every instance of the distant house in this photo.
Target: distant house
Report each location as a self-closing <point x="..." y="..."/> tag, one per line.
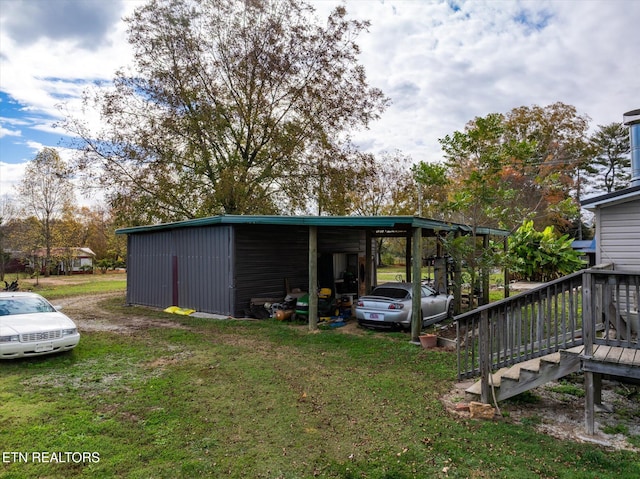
<point x="14" y="261"/>
<point x="70" y="260"/>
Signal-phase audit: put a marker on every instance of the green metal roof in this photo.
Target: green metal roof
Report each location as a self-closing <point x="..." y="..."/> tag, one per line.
<point x="369" y="222"/>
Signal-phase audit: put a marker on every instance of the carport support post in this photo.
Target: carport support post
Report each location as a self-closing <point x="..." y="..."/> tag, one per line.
<point x="313" y="278"/>
<point x="485" y="273"/>
<point x="457" y="282"/>
<point x="506" y="269"/>
<point x="416" y="286"/>
<point x="368" y="263"/>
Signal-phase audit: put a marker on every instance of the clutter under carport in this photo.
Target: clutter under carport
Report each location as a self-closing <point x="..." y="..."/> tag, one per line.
<point x="295" y="307"/>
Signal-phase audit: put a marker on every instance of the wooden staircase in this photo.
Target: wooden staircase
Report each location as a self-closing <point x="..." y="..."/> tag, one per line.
<point x="511" y="381"/>
<point x="584" y="322"/>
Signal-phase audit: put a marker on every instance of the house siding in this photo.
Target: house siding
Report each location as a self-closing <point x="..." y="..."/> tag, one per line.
<point x="619" y="235"/>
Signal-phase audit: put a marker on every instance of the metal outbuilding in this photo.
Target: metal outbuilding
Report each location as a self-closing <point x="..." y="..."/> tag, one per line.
<point x="218" y="264"/>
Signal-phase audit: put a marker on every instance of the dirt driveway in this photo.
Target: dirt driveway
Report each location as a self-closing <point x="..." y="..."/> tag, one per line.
<point x="90" y="316"/>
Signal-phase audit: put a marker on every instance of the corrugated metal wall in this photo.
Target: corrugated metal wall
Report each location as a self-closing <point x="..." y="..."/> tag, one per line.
<point x="149" y="269"/>
<point x="341" y="240"/>
<point x="191" y="267"/>
<point x="269" y="257"/>
<point x="218" y="269"/>
<point x="205" y="275"/>
<point x="266" y="257"/>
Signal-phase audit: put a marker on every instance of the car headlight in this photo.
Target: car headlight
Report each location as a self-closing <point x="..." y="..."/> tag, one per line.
<point x="14" y="338"/>
<point x="69" y="332"/>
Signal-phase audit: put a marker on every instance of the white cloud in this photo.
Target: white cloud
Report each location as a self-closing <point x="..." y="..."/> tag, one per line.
<point x="443" y="68"/>
<point x="441" y="65"/>
<point x="83" y="23"/>
<point x="10" y="176"/>
<point x="7" y="132"/>
<point x="44" y="66"/>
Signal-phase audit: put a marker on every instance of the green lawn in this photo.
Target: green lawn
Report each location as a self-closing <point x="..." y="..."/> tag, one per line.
<point x="54" y="287"/>
<point x="262" y="399"/>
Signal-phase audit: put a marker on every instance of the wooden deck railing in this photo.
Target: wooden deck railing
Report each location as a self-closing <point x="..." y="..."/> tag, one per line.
<point x="549" y="318"/>
<point x="614" y="301"/>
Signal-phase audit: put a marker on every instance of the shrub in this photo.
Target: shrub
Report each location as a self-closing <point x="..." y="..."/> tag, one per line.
<point x="541" y="255"/>
<point x="104" y="264"/>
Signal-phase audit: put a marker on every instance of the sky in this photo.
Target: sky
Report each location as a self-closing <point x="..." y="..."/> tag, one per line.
<point x="442" y="63"/>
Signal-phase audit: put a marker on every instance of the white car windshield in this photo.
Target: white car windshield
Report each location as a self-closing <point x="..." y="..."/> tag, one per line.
<point x="12" y="306"/>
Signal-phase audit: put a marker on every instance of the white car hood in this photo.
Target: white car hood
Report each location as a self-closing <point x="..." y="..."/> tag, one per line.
<point x="34" y="323"/>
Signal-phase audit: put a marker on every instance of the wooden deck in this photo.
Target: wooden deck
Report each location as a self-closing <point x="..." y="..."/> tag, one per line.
<point x="611" y="360"/>
<point x="591" y="317"/>
<point x="604" y="360"/>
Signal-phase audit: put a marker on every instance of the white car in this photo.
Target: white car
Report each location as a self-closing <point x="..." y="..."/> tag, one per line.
<point x="31" y="326"/>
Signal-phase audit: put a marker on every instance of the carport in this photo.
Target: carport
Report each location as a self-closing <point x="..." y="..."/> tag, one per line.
<point x="216" y="264"/>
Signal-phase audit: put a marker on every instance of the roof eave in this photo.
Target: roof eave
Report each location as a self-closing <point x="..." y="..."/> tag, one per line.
<point x="609" y="199"/>
<point x="380" y="222"/>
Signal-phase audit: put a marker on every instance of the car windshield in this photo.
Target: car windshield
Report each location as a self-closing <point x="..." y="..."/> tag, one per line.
<point x="427" y="291"/>
<point x="395" y="293"/>
<point x="11" y="306"/>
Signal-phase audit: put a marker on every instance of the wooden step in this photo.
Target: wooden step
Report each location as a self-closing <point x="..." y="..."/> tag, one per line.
<point x="521" y="377"/>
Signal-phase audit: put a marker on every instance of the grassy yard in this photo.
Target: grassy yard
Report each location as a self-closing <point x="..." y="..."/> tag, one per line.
<point x="54" y="287"/>
<point x="261" y="399"/>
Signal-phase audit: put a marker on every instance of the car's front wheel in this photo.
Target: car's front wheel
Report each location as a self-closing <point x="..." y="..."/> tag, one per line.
<point x="450" y="310"/>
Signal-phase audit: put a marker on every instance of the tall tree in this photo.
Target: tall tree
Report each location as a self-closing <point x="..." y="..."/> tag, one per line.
<point x="227" y="107"/>
<point x="478" y="161"/>
<point x="46" y="192"/>
<point x="611" y="167"/>
<point x="549" y="177"/>
<point x="98" y="231"/>
<point x="502" y="169"/>
<point x="480" y="192"/>
<point x="68" y="234"/>
<point x="7" y="213"/>
<point x="384" y="185"/>
<point x="332" y="188"/>
<point x="433" y="187"/>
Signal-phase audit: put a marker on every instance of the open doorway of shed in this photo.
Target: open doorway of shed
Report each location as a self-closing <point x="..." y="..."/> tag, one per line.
<point x="340" y="272"/>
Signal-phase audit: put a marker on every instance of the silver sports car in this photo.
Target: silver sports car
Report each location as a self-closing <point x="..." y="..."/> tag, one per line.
<point x="389" y="306"/>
